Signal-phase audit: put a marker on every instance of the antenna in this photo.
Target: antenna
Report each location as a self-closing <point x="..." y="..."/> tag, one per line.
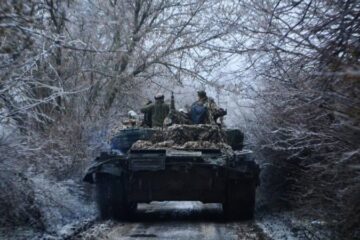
<point x="172" y="106"/>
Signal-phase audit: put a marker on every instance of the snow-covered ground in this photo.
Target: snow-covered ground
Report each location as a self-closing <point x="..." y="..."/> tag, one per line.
<point x="289" y="226"/>
<point x="75" y="218"/>
<point x="65" y="209"/>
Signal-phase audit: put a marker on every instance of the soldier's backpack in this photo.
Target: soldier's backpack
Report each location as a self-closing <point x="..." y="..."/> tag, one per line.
<point x="198" y="113"/>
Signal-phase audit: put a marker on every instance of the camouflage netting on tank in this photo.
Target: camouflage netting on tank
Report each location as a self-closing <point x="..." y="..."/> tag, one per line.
<point x="187" y="137"/>
<point x="181" y="134"/>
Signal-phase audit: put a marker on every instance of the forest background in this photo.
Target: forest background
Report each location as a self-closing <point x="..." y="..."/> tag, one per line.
<point x="287" y="71"/>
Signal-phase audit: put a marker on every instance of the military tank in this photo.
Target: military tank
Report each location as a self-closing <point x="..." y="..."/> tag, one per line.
<point x="180" y="163"/>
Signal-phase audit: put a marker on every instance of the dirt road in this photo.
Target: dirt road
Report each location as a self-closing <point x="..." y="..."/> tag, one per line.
<point x="175" y="220"/>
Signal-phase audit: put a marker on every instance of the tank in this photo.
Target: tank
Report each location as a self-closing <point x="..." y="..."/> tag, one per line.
<point x="180" y="163"/>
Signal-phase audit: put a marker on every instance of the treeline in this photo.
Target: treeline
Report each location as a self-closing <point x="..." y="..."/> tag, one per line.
<point x="70" y="70"/>
<point x="308" y="107"/>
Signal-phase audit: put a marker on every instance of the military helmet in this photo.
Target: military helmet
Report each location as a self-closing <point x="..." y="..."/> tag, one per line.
<point x="132" y="114"/>
<point x="201" y="94"/>
<point x="159" y="96"/>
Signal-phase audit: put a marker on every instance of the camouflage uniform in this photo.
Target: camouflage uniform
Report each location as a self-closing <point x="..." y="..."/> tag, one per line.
<point x="211" y="107"/>
<point x="158" y="111"/>
<point x="147" y="117"/>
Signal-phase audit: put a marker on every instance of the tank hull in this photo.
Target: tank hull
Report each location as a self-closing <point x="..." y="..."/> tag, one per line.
<point x="178" y="182"/>
<point x="190" y="169"/>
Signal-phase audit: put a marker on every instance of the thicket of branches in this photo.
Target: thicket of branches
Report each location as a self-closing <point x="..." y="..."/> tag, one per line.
<point x="70" y="69"/>
<point x="307" y="61"/>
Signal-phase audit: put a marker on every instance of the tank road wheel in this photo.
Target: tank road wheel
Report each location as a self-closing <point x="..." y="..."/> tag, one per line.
<point x="111" y="199"/>
<point x="240" y="200"/>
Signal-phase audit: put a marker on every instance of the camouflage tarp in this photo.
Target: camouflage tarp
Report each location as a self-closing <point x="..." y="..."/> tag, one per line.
<point x="140" y="144"/>
<point x="181" y="134"/>
<point x="187" y="137"/>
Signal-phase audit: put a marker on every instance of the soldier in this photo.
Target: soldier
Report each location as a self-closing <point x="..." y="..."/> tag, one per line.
<point x="147" y="117"/>
<point x="132" y="119"/>
<point x="176" y="117"/>
<point x="202" y="111"/>
<point x="158" y="110"/>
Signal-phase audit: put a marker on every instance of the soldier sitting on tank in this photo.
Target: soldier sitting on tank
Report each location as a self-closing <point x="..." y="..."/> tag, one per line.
<point x="131" y="121"/>
<point x="202" y="111"/>
<point x="176" y="117"/>
<point x="158" y="110"/>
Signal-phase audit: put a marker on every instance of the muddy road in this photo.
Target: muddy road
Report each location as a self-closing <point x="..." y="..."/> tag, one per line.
<point x="175" y="220"/>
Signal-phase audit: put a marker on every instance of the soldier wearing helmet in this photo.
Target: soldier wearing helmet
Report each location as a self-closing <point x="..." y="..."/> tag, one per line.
<point x="158" y="110"/>
<point x="202" y="111"/>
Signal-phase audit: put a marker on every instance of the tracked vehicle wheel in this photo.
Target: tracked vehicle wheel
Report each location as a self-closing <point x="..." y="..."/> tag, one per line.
<point x="111" y="199"/>
<point x="240" y="200"/>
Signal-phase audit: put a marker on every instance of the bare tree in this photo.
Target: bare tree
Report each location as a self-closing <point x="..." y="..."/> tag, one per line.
<point x="305" y="57"/>
<point x="69" y="68"/>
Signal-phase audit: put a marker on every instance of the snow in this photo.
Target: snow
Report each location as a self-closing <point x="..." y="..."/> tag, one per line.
<point x="288" y="225"/>
<point x="63" y="207"/>
<point x="7" y="125"/>
<point x="275" y="227"/>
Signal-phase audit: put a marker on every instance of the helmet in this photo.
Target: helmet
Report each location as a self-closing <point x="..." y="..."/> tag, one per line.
<point x="132" y="114"/>
<point x="159" y="96"/>
<point x="201" y="94"/>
